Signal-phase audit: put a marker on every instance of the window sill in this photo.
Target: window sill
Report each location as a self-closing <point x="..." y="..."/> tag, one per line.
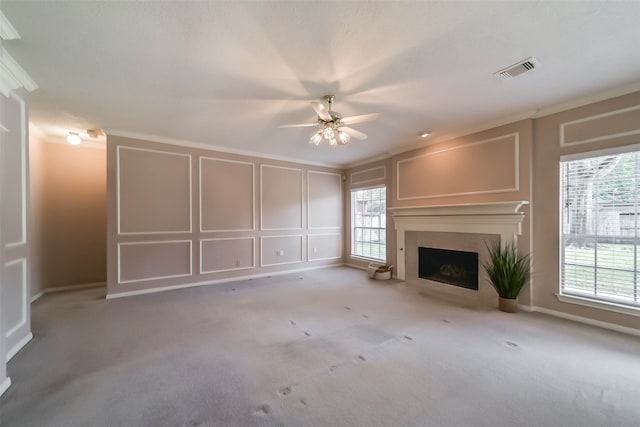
<point x="601" y="305"/>
<point x="362" y="258"/>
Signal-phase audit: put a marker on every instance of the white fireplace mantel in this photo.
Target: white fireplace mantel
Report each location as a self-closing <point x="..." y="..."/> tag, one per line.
<point x="502" y="218"/>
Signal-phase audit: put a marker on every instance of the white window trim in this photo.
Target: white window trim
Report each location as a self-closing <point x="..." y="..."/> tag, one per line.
<point x="351" y="254"/>
<point x="364" y="258"/>
<point x="592" y="302"/>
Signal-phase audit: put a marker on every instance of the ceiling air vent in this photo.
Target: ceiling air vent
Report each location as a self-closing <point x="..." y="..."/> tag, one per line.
<point x="518" y="68"/>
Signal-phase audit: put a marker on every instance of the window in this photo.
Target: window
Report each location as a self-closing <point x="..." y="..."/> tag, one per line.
<point x="600" y="199"/>
<point x="369" y="223"/>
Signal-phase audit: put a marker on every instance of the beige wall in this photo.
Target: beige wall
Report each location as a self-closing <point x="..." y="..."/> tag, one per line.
<point x="489" y="166"/>
<point x="36" y="183"/>
<point x="597" y="126"/>
<point x="180" y="216"/>
<point x="68" y="215"/>
<point x="519" y="161"/>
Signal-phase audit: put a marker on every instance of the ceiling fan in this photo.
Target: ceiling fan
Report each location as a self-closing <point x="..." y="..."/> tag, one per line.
<point x="332" y="124"/>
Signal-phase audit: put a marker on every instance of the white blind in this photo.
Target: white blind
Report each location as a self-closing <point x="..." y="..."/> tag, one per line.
<point x="599" y="227"/>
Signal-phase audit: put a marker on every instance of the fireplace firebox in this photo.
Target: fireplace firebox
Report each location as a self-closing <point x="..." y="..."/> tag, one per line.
<point x="458" y="268"/>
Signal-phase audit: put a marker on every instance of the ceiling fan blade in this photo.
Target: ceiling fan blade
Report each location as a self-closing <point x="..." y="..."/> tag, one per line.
<point x="321" y="110"/>
<point x="354" y="133"/>
<point x="360" y="118"/>
<point x="304" y="125"/>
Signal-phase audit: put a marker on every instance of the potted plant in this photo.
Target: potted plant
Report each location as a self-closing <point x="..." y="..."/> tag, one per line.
<point x="508" y="272"/>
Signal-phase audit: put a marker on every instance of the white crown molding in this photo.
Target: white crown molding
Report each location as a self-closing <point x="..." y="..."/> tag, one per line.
<point x="7" y="32"/>
<point x="211" y="147"/>
<point x="587" y="100"/>
<point x="13" y="76"/>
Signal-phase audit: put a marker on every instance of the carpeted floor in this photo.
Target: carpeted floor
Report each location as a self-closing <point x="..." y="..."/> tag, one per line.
<point x="321" y="348"/>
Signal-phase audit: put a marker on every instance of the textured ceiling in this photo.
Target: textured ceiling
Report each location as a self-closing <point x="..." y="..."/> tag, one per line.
<point x="227" y="74"/>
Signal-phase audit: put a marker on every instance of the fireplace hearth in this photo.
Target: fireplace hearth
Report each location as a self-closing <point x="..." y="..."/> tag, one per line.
<point x="457" y="268"/>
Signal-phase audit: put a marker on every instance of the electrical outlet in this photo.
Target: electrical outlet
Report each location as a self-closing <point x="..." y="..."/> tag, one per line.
<point x="315" y="250"/>
<point x="237" y="263"/>
<point x="280" y="252"/>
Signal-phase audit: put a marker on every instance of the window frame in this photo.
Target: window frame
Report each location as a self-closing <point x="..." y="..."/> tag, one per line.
<point x="352" y="224"/>
<point x="575" y="298"/>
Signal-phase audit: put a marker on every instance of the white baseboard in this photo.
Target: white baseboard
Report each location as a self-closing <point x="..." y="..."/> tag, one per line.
<point x="37" y="296"/>
<point x="587" y="321"/>
<point x="5" y="385"/>
<point x="68" y="288"/>
<point x="16" y="348"/>
<point x="214" y="282"/>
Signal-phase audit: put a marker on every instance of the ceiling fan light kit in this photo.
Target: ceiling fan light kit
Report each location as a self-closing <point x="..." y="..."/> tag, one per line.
<point x="332" y="124"/>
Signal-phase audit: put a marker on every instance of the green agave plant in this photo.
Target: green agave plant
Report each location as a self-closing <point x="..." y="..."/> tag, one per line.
<point x="508" y="271"/>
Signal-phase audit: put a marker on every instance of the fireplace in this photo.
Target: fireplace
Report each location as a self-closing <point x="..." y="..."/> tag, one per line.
<point x="466" y="228"/>
<point x="457" y="268"/>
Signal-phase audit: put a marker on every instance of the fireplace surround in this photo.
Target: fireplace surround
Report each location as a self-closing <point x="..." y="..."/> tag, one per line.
<point x="464" y="227"/>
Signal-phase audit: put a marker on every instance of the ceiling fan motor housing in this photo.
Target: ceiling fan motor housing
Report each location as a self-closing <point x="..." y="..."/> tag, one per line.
<point x="334" y="122"/>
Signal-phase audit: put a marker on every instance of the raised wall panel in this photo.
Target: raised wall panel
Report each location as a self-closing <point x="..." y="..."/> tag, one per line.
<point x="611" y="125"/>
<point x="369" y="175"/>
<point x="154" y="191"/>
<point x="275" y="250"/>
<point x="226" y="195"/>
<point x="218" y="255"/>
<point x="325" y="200"/>
<point x="280" y="198"/>
<point x="140" y="261"/>
<point x="324" y="246"/>
<point x="14" y="186"/>
<point x="15" y="289"/>
<point x="489" y="166"/>
<point x="14" y="240"/>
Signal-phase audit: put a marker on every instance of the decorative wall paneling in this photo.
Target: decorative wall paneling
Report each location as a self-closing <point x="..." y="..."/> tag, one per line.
<point x="154" y="191"/>
<point x="324" y="200"/>
<point x="483" y="167"/>
<point x="227" y="254"/>
<point x="611" y="126"/>
<point x="366" y="176"/>
<point x="15" y="300"/>
<point x="227" y="195"/>
<point x="281" y="198"/>
<point x="292" y="204"/>
<point x="154" y="260"/>
<point x="279" y="250"/>
<point x="324" y="246"/>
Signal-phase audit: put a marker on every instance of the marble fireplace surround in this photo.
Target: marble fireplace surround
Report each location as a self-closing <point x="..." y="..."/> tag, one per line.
<point x="501" y="218"/>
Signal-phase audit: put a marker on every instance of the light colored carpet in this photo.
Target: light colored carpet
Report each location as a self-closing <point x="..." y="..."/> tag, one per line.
<point x="322" y="348"/>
